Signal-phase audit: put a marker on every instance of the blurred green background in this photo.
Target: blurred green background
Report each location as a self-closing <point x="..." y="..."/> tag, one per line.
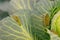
<point x="3" y="14"/>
